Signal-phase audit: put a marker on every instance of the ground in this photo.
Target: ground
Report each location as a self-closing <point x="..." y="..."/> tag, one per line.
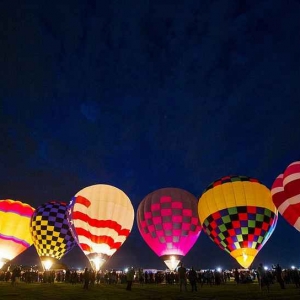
<point x="59" y="291"/>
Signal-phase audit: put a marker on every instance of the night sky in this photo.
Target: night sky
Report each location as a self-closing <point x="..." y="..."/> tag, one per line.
<point x="143" y="95"/>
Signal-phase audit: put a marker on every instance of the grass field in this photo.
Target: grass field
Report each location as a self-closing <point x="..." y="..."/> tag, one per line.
<point x="62" y="291"/>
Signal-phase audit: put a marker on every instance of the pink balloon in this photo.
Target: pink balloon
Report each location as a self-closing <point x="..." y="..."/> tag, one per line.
<point x="168" y="222"/>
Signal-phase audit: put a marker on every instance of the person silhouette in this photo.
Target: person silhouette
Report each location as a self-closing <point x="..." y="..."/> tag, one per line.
<point x="182" y="277"/>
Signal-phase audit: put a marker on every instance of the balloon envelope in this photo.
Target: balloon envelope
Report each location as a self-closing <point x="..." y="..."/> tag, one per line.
<point x="286" y="194"/>
<point x="168" y="222"/>
<point x="101" y="217"/>
<point x="14" y="229"/>
<point x="50" y="232"/>
<point x="237" y="213"/>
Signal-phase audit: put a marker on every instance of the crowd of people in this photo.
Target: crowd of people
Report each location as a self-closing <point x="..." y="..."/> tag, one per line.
<point x="267" y="277"/>
<point x="182" y="277"/>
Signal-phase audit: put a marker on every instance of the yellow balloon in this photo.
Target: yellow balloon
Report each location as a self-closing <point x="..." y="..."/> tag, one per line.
<point x="237" y="213"/>
<point x="15" y="236"/>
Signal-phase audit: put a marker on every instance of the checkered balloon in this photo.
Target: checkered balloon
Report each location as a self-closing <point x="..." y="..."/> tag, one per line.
<point x="50" y="230"/>
<point x="168" y="222"/>
<point x="238" y="215"/>
<point x="240" y="227"/>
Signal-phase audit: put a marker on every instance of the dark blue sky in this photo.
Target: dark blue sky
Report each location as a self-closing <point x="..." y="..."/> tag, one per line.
<point x="149" y="94"/>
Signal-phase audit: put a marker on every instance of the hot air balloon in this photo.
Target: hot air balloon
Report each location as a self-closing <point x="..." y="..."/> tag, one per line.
<point x="101" y="217"/>
<point x="14" y="229"/>
<point x="168" y="222"/>
<point x="286" y="194"/>
<point x="50" y="232"/>
<point x="237" y="213"/>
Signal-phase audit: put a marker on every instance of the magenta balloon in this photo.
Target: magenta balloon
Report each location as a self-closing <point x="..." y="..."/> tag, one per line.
<point x="168" y="222"/>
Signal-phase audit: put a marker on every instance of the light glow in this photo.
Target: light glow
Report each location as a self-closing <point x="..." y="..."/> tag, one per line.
<point x="244" y="256"/>
<point x="172" y="263"/>
<point x="47" y="264"/>
<point x="97" y="263"/>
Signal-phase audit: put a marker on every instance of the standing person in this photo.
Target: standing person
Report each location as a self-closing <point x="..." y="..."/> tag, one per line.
<point x="278" y="272"/>
<point x="86" y="278"/>
<point x="262" y="277"/>
<point x="141" y="276"/>
<point x="192" y="276"/>
<point x="16" y="275"/>
<point x="182" y="277"/>
<point x="236" y="276"/>
<point x="129" y="277"/>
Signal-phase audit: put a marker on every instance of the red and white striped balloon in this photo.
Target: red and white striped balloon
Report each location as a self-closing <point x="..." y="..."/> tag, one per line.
<point x="101" y="218"/>
<point x="286" y="194"/>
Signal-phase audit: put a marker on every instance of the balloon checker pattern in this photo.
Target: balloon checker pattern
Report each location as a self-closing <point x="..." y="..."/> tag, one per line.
<point x="50" y="230"/>
<point x="168" y="222"/>
<point x="238" y="215"/>
<point x="239" y="227"/>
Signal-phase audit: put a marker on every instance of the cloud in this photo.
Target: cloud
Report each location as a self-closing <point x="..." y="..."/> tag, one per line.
<point x="90" y="110"/>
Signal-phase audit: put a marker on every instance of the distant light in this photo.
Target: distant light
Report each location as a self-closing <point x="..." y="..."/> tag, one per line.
<point x="293" y="267"/>
<point x="126" y="270"/>
<point x="219" y="269"/>
<point x="266" y="268"/>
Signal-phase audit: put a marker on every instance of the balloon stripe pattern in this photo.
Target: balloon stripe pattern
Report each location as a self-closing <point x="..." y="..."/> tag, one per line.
<point x="15" y="235"/>
<point x="14" y="240"/>
<point x="16" y="207"/>
<point x="101" y="217"/>
<point x="286" y="194"/>
<point x="98" y="239"/>
<point x="238" y="215"/>
<point x="50" y="230"/>
<point x="101" y="223"/>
